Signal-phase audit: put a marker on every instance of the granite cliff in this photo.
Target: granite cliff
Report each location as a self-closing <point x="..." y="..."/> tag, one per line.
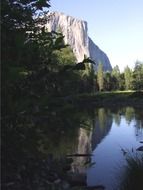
<point x="76" y="35"/>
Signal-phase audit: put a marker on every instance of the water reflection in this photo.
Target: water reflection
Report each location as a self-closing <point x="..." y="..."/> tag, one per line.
<point x="106" y="133"/>
<point x="139" y="130"/>
<point x="129" y="114"/>
<point x="70" y="132"/>
<point x="67" y="133"/>
<point x="83" y="147"/>
<point x="115" y="132"/>
<point x="101" y="126"/>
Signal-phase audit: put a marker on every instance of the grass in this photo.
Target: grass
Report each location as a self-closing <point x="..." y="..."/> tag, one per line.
<point x="133" y="176"/>
<point x="122" y="98"/>
<point x="98" y="99"/>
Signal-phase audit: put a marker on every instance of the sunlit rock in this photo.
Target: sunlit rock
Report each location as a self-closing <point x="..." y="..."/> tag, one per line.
<point x="76" y="35"/>
<point x="97" y="55"/>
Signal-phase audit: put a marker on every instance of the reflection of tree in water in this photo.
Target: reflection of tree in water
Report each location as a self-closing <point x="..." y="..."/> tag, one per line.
<point x="116" y="114"/>
<point x="139" y="116"/>
<point x="135" y="114"/>
<point x="62" y="132"/>
<point x="139" y="130"/>
<point x="117" y="118"/>
<point x="139" y="124"/>
<point x="129" y="114"/>
<point x="102" y="117"/>
<point x="102" y="125"/>
<point x="59" y="143"/>
<point x="27" y="140"/>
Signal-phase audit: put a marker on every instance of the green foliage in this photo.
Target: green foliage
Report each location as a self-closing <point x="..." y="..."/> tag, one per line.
<point x="29" y="141"/>
<point x="138" y="76"/>
<point x="133" y="176"/>
<point x="116" y="77"/>
<point x="116" y="71"/>
<point x="108" y="81"/>
<point x="128" y="78"/>
<point x="64" y="56"/>
<point x="100" y="78"/>
<point x="122" y="81"/>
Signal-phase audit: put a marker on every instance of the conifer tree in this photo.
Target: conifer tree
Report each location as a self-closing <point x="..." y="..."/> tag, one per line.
<point x="138" y="76"/>
<point x="128" y="78"/>
<point x="100" y="77"/>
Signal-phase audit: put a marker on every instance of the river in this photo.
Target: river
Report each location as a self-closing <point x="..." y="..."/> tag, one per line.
<point x="120" y="134"/>
<point x="110" y="135"/>
<point x="98" y="140"/>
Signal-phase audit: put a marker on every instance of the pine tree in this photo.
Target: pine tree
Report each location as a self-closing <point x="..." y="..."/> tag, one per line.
<point x="138" y="76"/>
<point x="116" y="77"/>
<point x="128" y="78"/>
<point x="100" y="77"/>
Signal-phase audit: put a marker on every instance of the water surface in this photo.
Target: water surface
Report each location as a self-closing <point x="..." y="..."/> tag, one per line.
<point x="115" y="135"/>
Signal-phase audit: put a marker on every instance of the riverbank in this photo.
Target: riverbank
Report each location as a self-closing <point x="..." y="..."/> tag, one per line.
<point x="121" y="98"/>
<point x="102" y="99"/>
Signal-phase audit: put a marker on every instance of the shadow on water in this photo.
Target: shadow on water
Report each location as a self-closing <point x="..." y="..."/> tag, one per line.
<point x="36" y="145"/>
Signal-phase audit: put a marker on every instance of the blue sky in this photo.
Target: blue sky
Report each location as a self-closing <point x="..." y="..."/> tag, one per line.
<point x="116" y="26"/>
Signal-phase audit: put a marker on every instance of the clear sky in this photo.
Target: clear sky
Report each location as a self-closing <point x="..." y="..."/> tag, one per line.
<point x="116" y="26"/>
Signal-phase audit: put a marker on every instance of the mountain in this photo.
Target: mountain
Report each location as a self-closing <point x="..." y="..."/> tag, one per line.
<point x="98" y="55"/>
<point x="76" y="35"/>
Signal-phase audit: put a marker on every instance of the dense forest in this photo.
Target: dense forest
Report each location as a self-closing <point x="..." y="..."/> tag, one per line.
<point x="129" y="79"/>
<point x="37" y="67"/>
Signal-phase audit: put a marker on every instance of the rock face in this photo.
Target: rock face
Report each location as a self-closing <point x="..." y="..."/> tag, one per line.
<point x="99" y="56"/>
<point x="76" y="35"/>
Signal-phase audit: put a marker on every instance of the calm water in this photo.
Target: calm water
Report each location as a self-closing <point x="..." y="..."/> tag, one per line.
<point x="109" y="134"/>
<point x="103" y="136"/>
<point x="120" y="134"/>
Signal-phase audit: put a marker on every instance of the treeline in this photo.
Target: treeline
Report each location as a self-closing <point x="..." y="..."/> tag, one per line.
<point x="116" y="80"/>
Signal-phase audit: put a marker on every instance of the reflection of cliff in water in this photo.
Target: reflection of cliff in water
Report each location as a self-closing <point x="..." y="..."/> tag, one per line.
<point x="84" y="147"/>
<point x="88" y="139"/>
<point x="101" y="126"/>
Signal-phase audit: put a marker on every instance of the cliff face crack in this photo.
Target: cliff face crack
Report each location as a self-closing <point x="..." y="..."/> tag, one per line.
<point x="76" y="35"/>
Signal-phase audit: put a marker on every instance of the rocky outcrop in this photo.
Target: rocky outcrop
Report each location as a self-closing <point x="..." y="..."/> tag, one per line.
<point x="76" y="35"/>
<point x="97" y="55"/>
